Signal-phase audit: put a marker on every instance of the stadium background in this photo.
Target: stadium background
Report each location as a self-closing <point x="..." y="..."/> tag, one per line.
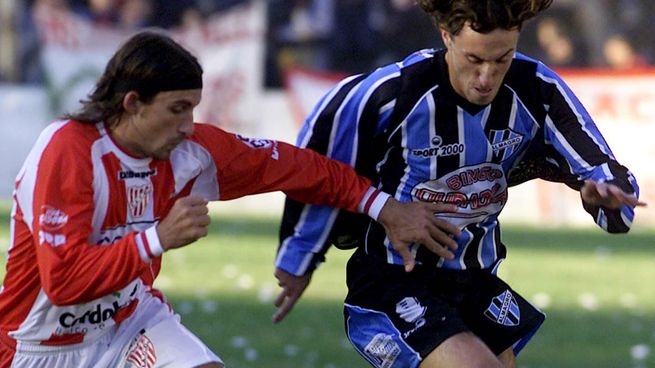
<point x="266" y="64"/>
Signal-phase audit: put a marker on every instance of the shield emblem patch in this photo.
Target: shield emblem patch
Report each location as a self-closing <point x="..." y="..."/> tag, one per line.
<point x="504" y="310"/>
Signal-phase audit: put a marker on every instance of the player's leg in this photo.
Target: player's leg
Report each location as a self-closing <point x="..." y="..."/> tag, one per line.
<point x="169" y="344"/>
<point x="210" y="365"/>
<point x="508" y="358"/>
<point x="499" y="316"/>
<point x="459" y="351"/>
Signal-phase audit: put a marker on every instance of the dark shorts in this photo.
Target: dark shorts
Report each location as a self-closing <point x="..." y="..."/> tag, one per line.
<point x="395" y="319"/>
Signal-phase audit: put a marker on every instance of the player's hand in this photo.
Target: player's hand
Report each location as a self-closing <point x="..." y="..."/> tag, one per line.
<point x="414" y="222"/>
<point x="292" y="288"/>
<point x="186" y="222"/>
<point x="607" y="195"/>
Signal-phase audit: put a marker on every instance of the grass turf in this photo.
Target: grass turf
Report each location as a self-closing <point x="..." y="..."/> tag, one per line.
<point x="595" y="288"/>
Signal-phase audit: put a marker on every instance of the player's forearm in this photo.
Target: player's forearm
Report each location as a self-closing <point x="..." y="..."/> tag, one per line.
<point x="78" y="272"/>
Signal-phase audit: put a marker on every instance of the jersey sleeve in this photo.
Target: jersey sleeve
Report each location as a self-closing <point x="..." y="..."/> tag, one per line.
<point x="55" y="193"/>
<point x="574" y="136"/>
<point x="248" y="166"/>
<point x="342" y="126"/>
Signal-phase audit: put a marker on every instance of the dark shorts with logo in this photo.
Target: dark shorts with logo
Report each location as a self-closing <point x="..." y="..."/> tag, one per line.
<point x="395" y="319"/>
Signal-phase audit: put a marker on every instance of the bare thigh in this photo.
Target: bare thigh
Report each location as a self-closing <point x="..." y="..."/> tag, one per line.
<point x="508" y="358"/>
<point x="464" y="350"/>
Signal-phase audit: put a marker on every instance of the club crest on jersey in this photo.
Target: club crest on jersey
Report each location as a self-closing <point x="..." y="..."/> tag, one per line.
<point x="141" y="354"/>
<point x="504" y="310"/>
<point x="138" y="198"/>
<point x="504" y="142"/>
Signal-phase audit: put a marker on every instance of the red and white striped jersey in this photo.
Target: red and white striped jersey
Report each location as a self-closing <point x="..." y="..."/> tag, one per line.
<point x="84" y="248"/>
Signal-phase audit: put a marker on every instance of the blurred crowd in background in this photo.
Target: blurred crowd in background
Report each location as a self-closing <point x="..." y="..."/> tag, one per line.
<point x="348" y="36"/>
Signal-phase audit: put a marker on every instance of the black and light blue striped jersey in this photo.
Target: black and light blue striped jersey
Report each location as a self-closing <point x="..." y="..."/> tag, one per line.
<point x="404" y="127"/>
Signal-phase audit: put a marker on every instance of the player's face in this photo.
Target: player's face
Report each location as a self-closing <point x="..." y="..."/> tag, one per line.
<point x="165" y="122"/>
<point x="478" y="62"/>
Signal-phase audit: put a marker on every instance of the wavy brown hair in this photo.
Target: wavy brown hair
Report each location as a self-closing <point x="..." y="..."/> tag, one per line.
<point x="484" y="16"/>
<point x="148" y="62"/>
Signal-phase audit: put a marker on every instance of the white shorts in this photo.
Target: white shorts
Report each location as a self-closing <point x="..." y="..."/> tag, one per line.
<point x="151" y="338"/>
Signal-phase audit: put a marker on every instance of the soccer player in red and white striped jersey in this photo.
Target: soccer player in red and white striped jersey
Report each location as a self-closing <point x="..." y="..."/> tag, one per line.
<point x="107" y="190"/>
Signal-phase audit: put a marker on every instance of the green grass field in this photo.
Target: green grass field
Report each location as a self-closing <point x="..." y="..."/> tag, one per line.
<point x="597" y="290"/>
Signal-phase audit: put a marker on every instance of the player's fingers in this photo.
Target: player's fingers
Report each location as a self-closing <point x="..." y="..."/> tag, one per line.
<point x="446" y="227"/>
<point x="625" y="198"/>
<point x="284" y="309"/>
<point x="408" y="258"/>
<point x="444" y="240"/>
<point x="439" y="249"/>
<point x="280" y="298"/>
<point x="440" y="207"/>
<point x="203" y="220"/>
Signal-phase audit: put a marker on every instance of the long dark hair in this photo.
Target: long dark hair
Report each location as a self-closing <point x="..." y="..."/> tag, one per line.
<point x="483" y="15"/>
<point x="149" y="62"/>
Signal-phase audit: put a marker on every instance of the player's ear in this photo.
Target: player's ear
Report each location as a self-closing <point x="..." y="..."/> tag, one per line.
<point x="131" y="102"/>
<point x="446" y="37"/>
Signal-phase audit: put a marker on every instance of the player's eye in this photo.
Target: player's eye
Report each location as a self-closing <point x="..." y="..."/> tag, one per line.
<point x="178" y="109"/>
<point x="475" y="60"/>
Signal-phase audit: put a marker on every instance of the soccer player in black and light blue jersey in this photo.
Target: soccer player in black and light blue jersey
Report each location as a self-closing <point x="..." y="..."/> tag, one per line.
<point x="456" y="126"/>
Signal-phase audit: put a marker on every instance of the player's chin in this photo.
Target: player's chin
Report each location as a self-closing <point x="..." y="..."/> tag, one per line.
<point x="162" y="155"/>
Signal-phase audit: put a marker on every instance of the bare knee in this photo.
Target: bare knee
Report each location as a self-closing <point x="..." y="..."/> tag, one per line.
<point x="464" y="350"/>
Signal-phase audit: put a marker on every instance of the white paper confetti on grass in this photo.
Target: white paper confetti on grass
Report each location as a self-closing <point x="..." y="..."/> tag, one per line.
<point x="208" y="306"/>
<point x="245" y="282"/>
<point x="239" y="342"/>
<point x="588" y="301"/>
<point x="541" y="300"/>
<point x="266" y="292"/>
<point x="628" y="300"/>
<point x="603" y="252"/>
<point x="640" y="351"/>
<point x="230" y="271"/>
<point x="291" y="350"/>
<point x="250" y="354"/>
<point x="184" y="308"/>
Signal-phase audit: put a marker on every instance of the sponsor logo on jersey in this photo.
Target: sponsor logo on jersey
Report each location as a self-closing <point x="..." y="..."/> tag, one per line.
<point x="80" y="323"/>
<point x="51" y="218"/>
<point x="141" y="354"/>
<point x="138" y="198"/>
<point x="411" y="311"/>
<point x="504" y="310"/>
<point x="504" y="142"/>
<point x="382" y="351"/>
<point x="51" y="239"/>
<point x="129" y="174"/>
<point x="77" y="321"/>
<point x="478" y="191"/>
<point x="438" y="149"/>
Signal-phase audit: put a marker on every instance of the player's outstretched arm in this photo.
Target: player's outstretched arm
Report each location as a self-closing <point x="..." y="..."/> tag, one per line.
<point x="607" y="195"/>
<point x="407" y="223"/>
